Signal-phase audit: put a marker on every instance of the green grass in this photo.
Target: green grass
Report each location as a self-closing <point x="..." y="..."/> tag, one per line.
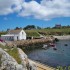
<point x="59" y="31"/>
<point x="3" y="33"/>
<point x="33" y="33"/>
<point x="4" y="47"/>
<point x="13" y="52"/>
<point x="0" y="59"/>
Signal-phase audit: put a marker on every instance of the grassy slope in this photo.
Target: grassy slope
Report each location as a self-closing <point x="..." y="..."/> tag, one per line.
<point x="13" y="52"/>
<point x="33" y="33"/>
<point x="62" y="31"/>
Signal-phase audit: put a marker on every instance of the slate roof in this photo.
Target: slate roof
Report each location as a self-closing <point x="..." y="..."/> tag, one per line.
<point x="14" y="31"/>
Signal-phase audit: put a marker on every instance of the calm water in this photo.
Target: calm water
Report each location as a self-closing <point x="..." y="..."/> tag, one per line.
<point x="60" y="57"/>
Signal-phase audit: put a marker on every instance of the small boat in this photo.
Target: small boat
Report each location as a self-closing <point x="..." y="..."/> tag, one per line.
<point x="45" y="46"/>
<point x="52" y="44"/>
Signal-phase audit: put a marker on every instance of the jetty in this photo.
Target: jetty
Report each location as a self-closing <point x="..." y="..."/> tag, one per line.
<point x="26" y="43"/>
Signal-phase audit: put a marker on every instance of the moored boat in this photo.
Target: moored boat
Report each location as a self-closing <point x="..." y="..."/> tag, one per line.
<point x="45" y="46"/>
<point x="52" y="44"/>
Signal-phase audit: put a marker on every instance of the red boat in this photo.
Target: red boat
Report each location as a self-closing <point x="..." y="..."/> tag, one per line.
<point x="52" y="44"/>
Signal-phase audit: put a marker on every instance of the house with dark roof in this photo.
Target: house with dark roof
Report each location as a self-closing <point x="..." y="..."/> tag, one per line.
<point x="14" y="35"/>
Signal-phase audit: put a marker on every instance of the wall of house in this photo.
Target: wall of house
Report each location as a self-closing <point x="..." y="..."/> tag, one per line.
<point x="15" y="37"/>
<point x="7" y="38"/>
<point x="22" y="35"/>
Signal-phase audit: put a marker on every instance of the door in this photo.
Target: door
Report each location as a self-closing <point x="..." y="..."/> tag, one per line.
<point x="17" y="37"/>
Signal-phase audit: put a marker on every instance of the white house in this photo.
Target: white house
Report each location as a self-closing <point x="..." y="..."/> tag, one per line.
<point x="14" y="35"/>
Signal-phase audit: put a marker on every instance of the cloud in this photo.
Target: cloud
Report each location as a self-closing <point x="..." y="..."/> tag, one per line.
<point x="46" y="9"/>
<point x="10" y="6"/>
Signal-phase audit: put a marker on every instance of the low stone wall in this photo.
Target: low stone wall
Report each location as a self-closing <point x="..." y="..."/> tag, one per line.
<point x="29" y="44"/>
<point x="32" y="44"/>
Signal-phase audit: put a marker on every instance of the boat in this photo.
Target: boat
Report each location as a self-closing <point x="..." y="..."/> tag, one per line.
<point x="45" y="46"/>
<point x="52" y="44"/>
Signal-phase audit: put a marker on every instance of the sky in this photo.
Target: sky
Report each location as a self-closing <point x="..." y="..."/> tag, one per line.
<point x="43" y="13"/>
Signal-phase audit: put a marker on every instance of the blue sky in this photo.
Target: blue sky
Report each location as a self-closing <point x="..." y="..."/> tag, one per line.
<point x="43" y="13"/>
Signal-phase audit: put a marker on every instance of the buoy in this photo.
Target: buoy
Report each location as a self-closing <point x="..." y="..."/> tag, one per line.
<point x="66" y="44"/>
<point x="55" y="48"/>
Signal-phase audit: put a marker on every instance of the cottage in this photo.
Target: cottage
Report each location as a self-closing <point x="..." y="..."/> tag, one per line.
<point x="14" y="35"/>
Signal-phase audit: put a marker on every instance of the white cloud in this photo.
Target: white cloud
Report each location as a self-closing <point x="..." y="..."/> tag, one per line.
<point x="46" y="9"/>
<point x="10" y="6"/>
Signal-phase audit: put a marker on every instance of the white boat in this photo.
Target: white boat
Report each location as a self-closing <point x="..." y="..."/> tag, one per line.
<point x="45" y="46"/>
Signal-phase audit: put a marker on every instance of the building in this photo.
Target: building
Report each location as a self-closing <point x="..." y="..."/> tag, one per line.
<point x="14" y="35"/>
<point x="58" y="25"/>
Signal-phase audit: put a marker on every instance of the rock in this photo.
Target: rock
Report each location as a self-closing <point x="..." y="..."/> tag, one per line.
<point x="25" y="61"/>
<point x="3" y="43"/>
<point x="8" y="62"/>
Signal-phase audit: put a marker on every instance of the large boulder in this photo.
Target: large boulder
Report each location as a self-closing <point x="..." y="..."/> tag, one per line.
<point x="30" y="65"/>
<point x="8" y="62"/>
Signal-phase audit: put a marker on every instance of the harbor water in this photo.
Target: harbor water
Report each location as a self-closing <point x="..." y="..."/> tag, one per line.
<point x="54" y="58"/>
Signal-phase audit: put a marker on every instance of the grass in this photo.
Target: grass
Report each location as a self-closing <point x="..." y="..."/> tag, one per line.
<point x="13" y="52"/>
<point x="3" y="33"/>
<point x="33" y="33"/>
<point x="0" y="59"/>
<point x="46" y="32"/>
<point x="4" y="47"/>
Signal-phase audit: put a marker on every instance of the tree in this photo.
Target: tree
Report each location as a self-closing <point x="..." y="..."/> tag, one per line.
<point x="29" y="27"/>
<point x="38" y="27"/>
<point x="17" y="28"/>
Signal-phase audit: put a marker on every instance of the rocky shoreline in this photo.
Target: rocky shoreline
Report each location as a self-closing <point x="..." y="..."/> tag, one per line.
<point x="7" y="62"/>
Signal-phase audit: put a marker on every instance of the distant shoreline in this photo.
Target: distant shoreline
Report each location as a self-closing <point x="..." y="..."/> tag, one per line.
<point x="67" y="37"/>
